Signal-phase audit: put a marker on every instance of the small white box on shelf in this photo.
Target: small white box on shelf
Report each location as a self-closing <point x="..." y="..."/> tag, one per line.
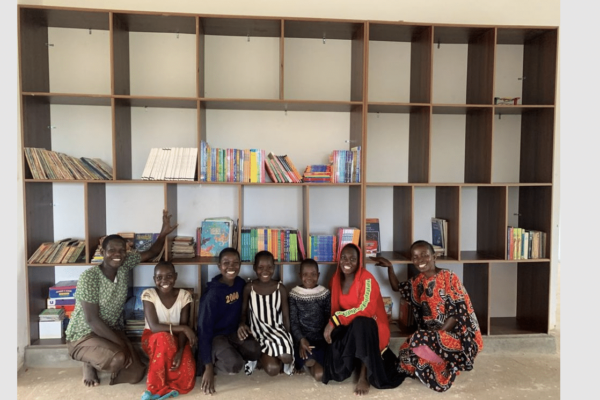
<point x="51" y="329"/>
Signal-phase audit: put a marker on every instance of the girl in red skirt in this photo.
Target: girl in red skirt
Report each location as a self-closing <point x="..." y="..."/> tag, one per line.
<point x="167" y="338"/>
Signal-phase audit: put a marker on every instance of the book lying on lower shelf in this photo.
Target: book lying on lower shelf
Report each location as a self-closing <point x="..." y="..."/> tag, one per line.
<point x="216" y="235"/>
<point x="183" y="247"/>
<point x="63" y="289"/>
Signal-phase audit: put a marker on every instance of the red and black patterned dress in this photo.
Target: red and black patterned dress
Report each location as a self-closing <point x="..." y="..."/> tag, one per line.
<point x="434" y="300"/>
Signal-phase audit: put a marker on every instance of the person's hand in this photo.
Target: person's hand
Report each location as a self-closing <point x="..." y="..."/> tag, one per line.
<point x="381" y="261"/>
<point x="305" y="348"/>
<point x="176" y="360"/>
<point x="208" y="380"/>
<point x="191" y="336"/>
<point x="327" y="332"/>
<point x="166" y="224"/>
<point x="243" y="331"/>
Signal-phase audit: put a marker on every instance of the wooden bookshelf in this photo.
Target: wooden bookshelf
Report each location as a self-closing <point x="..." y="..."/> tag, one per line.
<point x="424" y="113"/>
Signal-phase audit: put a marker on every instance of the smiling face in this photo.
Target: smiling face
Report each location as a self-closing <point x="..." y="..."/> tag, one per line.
<point x="229" y="267"/>
<point x="349" y="260"/>
<point x="424" y="259"/>
<point x="264" y="267"/>
<point x="165" y="277"/>
<point x="309" y="274"/>
<point x="113" y="253"/>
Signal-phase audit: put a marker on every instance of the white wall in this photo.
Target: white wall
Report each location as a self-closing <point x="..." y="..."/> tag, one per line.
<point x="513" y="12"/>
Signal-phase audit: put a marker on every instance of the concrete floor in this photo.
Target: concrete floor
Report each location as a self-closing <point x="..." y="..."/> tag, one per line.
<point x="495" y="376"/>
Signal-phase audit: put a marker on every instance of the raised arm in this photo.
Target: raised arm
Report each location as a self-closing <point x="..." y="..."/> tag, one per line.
<point x="384" y="262"/>
<point x="158" y="245"/>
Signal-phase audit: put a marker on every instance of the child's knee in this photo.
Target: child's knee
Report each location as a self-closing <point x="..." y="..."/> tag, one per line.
<point x="272" y="368"/>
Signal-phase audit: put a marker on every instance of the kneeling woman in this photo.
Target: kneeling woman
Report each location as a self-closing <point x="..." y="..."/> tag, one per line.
<point x="358" y="332"/>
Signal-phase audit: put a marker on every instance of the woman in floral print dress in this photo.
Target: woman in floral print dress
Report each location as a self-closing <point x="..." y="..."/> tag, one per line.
<point x="448" y="337"/>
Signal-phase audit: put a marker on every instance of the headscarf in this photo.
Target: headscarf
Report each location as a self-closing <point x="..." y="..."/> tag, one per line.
<point x="336" y="281"/>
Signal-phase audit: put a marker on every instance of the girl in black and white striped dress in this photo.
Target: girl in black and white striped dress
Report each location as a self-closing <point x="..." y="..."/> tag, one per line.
<point x="266" y="306"/>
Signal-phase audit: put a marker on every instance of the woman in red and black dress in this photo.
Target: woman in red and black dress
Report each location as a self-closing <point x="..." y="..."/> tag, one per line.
<point x="448" y="337"/>
<point x="358" y="331"/>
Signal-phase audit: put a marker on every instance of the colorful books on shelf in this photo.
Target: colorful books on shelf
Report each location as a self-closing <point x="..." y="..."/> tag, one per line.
<point x="281" y="169"/>
<point x="439" y="235"/>
<point x="231" y="165"/>
<point x="60" y="302"/>
<point x="216" y="235"/>
<point x="322" y="247"/>
<point x="282" y="242"/>
<point x="347" y="235"/>
<point x="183" y="247"/>
<point x="346" y="165"/>
<point x="372" y="242"/>
<point x="48" y="164"/>
<point x="525" y="244"/>
<point x="317" y="174"/>
<point x="171" y="164"/>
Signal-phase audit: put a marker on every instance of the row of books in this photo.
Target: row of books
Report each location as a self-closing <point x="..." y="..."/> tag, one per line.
<point x="439" y="236"/>
<point x="284" y="243"/>
<point x="281" y="169"/>
<point x="214" y="235"/>
<point x="48" y="164"/>
<point x="231" y="165"/>
<point x="525" y="244"/>
<point x="346" y="165"/>
<point x="171" y="163"/>
<point x="319" y="173"/>
<point x="65" y="251"/>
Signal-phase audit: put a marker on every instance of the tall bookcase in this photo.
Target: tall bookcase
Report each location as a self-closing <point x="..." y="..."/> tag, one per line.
<point x="417" y="98"/>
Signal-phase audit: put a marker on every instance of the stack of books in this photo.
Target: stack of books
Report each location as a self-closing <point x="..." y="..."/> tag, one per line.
<point x="346" y="165"/>
<point x="439" y="236"/>
<point x="281" y="169"/>
<point x="134" y="313"/>
<point x="347" y="235"/>
<point x="171" y="164"/>
<point x="322" y="247"/>
<point x="214" y="235"/>
<point x="48" y="164"/>
<point x="231" y="165"/>
<point x="64" y="251"/>
<point x="183" y="247"/>
<point x="317" y="174"/>
<point x="284" y="243"/>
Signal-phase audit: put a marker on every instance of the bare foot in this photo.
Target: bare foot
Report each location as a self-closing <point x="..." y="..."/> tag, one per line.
<point x="362" y="387"/>
<point x="90" y="375"/>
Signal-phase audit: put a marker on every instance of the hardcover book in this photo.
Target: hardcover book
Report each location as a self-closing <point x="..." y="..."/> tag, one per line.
<point x="372" y="242"/>
<point x="216" y="236"/>
<point x="63" y="289"/>
<point x="143" y="241"/>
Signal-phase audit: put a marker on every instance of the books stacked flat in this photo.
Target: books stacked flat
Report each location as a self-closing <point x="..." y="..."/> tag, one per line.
<point x="281" y="169"/>
<point x="317" y="174"/>
<point x="134" y="313"/>
<point x="51" y="323"/>
<point x="183" y="247"/>
<point x="64" y="251"/>
<point x="216" y="234"/>
<point x="284" y="243"/>
<point x="322" y="247"/>
<point x="231" y="165"/>
<point x="171" y="164"/>
<point x="439" y="236"/>
<point x="347" y="235"/>
<point x="48" y="164"/>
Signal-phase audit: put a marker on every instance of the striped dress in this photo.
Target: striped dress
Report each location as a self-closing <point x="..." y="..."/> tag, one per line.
<point x="266" y="323"/>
